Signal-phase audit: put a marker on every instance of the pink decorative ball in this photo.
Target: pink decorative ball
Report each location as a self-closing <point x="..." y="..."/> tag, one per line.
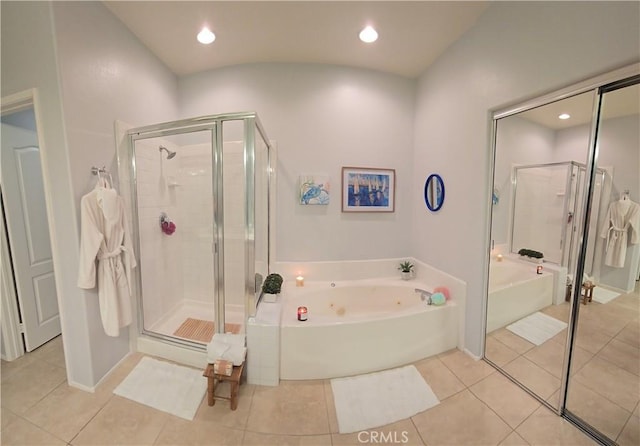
<point x="444" y="290"/>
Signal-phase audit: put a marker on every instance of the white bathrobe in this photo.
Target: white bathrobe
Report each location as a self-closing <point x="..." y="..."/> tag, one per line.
<point x="106" y="252"/>
<point x="623" y="217"/>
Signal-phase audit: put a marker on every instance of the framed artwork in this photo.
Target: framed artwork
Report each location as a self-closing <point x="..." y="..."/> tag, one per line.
<point x="367" y="189"/>
<point x="314" y="189"/>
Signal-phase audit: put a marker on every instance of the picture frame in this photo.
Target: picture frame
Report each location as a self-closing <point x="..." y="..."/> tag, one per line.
<point x="314" y="189"/>
<point x="368" y="189"/>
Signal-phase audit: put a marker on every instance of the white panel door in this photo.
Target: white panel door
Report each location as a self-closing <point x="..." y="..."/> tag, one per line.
<point x="28" y="231"/>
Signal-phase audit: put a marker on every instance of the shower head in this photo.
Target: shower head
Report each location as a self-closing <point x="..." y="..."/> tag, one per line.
<point x="170" y="154"/>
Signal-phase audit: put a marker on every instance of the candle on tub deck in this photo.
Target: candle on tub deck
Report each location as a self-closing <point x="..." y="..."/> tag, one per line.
<point x="302" y="313"/>
<point x="299" y="281"/>
<point x="499" y="257"/>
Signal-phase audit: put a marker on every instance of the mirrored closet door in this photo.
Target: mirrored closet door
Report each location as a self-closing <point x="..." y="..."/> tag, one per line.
<point x="563" y="309"/>
<point x="604" y="380"/>
<point x="540" y="165"/>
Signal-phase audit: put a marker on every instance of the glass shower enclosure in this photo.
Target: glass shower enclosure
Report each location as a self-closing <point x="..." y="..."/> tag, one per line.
<point x="546" y="200"/>
<point x="199" y="198"/>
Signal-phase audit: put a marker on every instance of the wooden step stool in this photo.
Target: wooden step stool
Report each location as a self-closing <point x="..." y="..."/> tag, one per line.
<point x="234" y="379"/>
<point x="587" y="292"/>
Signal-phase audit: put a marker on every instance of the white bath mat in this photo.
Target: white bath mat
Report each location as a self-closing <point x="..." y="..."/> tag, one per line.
<point x="375" y="399"/>
<point x="537" y="328"/>
<point x="603" y="295"/>
<point x="164" y="386"/>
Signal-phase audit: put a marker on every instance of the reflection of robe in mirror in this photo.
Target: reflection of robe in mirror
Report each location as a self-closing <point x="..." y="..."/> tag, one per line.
<point x="623" y="217"/>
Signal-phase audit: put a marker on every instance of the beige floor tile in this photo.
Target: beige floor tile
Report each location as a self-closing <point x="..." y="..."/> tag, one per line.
<point x="505" y="398"/>
<point x="561" y="338"/>
<point x="122" y="421"/>
<point x="630" y="334"/>
<point x="22" y="433"/>
<point x="292" y="408"/>
<point x="221" y="412"/>
<point x="549" y="356"/>
<point x="596" y="410"/>
<point x="545" y="428"/>
<point x="66" y="410"/>
<point x="590" y="338"/>
<point x="610" y="381"/>
<point x="177" y="431"/>
<point x="9" y="368"/>
<point x="441" y="380"/>
<point x="467" y="369"/>
<point x="603" y="322"/>
<point x="560" y="312"/>
<point x="514" y="440"/>
<point x="401" y="432"/>
<point x="533" y="377"/>
<point x="51" y="352"/>
<point x="331" y="407"/>
<point x="22" y="390"/>
<point x="630" y="435"/>
<point x="461" y="420"/>
<point x="258" y="439"/>
<point x="623" y="355"/>
<point x="6" y="417"/>
<point x="499" y="353"/>
<point x="513" y="341"/>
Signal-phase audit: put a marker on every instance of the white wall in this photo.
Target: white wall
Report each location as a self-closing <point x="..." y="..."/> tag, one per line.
<point x="106" y="74"/>
<point x="519" y="142"/>
<point x="31" y="63"/>
<point x="322" y="117"/>
<point x="517" y="50"/>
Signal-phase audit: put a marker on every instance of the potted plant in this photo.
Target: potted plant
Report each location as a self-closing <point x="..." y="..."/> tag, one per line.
<point x="531" y="255"/>
<point x="271" y="287"/>
<point x="406" y="270"/>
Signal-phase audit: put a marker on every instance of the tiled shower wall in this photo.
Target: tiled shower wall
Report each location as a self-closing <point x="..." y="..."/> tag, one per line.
<point x="178" y="269"/>
<point x="161" y="257"/>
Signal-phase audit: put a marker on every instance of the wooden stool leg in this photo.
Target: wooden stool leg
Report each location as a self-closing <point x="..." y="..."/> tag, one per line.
<point x="211" y="390"/>
<point x="234" y="395"/>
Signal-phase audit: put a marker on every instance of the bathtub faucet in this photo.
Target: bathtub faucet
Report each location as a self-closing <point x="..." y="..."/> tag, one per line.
<point x="424" y="294"/>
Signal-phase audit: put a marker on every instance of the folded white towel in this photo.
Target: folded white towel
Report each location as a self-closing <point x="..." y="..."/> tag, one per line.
<point x="229" y="338"/>
<point x="215" y="350"/>
<point x="235" y="354"/>
<point x="221" y="347"/>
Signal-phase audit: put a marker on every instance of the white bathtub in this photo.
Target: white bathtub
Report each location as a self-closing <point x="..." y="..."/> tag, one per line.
<point x="516" y="291"/>
<point x="361" y="326"/>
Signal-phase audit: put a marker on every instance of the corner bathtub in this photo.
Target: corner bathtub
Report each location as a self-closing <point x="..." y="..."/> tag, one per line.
<point x="361" y="326"/>
<point x="516" y="291"/>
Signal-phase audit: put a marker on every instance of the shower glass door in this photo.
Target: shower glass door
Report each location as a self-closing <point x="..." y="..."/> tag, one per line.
<point x="175" y="229"/>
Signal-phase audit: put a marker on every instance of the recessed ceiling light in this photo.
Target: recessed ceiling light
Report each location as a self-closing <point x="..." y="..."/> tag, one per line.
<point x="206" y="36"/>
<point x="368" y="35"/>
<point x="564" y="116"/>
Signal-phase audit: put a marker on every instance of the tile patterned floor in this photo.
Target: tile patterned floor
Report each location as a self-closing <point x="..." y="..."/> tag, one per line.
<point x="478" y="407"/>
<point x="605" y="389"/>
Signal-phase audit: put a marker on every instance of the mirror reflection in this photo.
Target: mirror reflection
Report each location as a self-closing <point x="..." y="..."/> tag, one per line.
<point x="604" y="385"/>
<point x="540" y="171"/>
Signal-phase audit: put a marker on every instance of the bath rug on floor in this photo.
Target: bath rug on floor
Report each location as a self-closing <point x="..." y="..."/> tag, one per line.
<point x="603" y="295"/>
<point x="376" y="399"/>
<point x="164" y="386"/>
<point x="537" y="328"/>
<point x="201" y="330"/>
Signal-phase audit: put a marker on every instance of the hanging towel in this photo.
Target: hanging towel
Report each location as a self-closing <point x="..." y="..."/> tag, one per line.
<point x="622" y="227"/>
<point x="106" y="255"/>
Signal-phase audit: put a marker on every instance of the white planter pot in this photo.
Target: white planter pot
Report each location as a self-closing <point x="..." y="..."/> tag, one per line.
<point x="406" y="276"/>
<point x="531" y="259"/>
<point x="271" y="298"/>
